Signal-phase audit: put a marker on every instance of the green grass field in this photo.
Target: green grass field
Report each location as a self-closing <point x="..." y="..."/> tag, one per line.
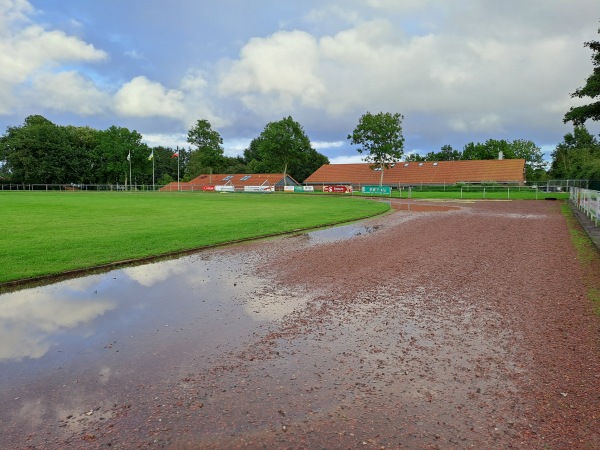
<point x="44" y="233"/>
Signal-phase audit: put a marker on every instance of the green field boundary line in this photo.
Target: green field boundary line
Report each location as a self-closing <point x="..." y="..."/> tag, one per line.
<point x="8" y="286"/>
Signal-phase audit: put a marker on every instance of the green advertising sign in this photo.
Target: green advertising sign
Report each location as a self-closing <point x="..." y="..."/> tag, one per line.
<point x="377" y="190"/>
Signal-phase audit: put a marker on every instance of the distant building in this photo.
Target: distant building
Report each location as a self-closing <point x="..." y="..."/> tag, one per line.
<point x="234" y="182"/>
<point x="498" y="171"/>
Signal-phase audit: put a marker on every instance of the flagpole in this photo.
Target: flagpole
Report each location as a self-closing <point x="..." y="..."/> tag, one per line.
<point x="153" y="170"/>
<point x="129" y="169"/>
<point x="178" y="185"/>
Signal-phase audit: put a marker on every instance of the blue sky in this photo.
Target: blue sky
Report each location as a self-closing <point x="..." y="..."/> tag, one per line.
<point x="459" y="71"/>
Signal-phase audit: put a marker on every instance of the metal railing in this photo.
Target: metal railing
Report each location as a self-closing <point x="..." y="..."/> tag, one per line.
<point x="588" y="201"/>
<point x="77" y="187"/>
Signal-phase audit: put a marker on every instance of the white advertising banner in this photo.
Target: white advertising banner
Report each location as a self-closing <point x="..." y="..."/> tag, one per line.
<point x="258" y="188"/>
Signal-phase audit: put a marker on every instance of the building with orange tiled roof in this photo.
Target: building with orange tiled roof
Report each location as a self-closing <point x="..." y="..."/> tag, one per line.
<point x="500" y="171"/>
<point x="232" y="181"/>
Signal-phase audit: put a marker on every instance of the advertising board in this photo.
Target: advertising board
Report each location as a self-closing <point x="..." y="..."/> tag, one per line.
<point x="377" y="190"/>
<point x="258" y="188"/>
<point x="298" y="189"/>
<point x="338" y="189"/>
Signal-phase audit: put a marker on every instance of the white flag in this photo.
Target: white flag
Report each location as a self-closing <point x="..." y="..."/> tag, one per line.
<point x="129" y="156"/>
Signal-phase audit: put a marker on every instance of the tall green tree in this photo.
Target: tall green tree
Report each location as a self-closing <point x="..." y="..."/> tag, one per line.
<point x="535" y="166"/>
<point x="118" y="147"/>
<point x="85" y="141"/>
<point x="208" y="155"/>
<point x="579" y="114"/>
<point x="489" y="150"/>
<point x="39" y="152"/>
<point x="283" y="146"/>
<point x="380" y="136"/>
<point x="517" y="149"/>
<point x="447" y="153"/>
<point x="577" y="156"/>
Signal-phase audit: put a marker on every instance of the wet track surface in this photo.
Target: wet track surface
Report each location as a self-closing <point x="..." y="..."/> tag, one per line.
<point x="366" y="335"/>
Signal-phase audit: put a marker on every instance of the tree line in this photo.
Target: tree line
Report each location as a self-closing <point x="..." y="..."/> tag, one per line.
<point x="493" y="149"/>
<point x="41" y="152"/>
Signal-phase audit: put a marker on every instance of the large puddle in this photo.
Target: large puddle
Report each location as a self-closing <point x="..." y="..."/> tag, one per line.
<point x="134" y="312"/>
<point x="102" y="326"/>
<point x="79" y="319"/>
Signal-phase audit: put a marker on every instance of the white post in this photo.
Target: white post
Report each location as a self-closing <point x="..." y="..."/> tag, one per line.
<point x="129" y="169"/>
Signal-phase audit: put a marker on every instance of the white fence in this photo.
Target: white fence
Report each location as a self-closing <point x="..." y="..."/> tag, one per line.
<point x="588" y="201"/>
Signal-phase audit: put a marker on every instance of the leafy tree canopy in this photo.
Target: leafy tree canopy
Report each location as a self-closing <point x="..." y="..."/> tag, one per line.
<point x="208" y="156"/>
<point x="577" y="156"/>
<point x="40" y="152"/>
<point x="380" y="136"/>
<point x="447" y="153"/>
<point x="283" y="146"/>
<point x="579" y="114"/>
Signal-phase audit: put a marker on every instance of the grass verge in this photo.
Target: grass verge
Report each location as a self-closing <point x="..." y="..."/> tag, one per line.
<point x="587" y="255"/>
<point x="45" y="233"/>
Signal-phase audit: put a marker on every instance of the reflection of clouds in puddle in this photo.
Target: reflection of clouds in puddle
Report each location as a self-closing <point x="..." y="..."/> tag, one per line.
<point x="150" y="274"/>
<point x="29" y="319"/>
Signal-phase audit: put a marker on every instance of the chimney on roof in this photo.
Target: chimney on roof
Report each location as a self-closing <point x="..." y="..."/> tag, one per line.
<point x="500" y="155"/>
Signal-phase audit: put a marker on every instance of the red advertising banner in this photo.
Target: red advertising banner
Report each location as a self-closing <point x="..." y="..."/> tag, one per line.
<point x="338" y="189"/>
<point x="208" y="188"/>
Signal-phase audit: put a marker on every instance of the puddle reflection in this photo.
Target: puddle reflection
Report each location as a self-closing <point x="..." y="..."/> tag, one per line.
<point x="30" y="323"/>
<point x="339" y="233"/>
<point x="83" y="320"/>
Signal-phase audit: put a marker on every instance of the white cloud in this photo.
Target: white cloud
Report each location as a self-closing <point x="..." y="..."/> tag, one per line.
<point x="28" y="50"/>
<point x="470" y="80"/>
<point x="282" y="67"/>
<point x="13" y="12"/>
<point x="169" y="140"/>
<point x="351" y="159"/>
<point x="325" y="145"/>
<point x="69" y="91"/>
<point x="143" y="98"/>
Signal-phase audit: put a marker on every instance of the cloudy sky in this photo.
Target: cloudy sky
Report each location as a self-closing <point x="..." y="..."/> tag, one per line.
<point x="459" y="71"/>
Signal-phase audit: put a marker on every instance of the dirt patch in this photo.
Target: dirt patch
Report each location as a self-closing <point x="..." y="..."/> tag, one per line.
<point x="468" y="328"/>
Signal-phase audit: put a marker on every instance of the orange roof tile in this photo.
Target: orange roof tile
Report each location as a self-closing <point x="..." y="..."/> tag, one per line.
<point x="442" y="172"/>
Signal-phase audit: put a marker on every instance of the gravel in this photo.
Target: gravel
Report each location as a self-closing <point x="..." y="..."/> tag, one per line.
<point x="466" y="328"/>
